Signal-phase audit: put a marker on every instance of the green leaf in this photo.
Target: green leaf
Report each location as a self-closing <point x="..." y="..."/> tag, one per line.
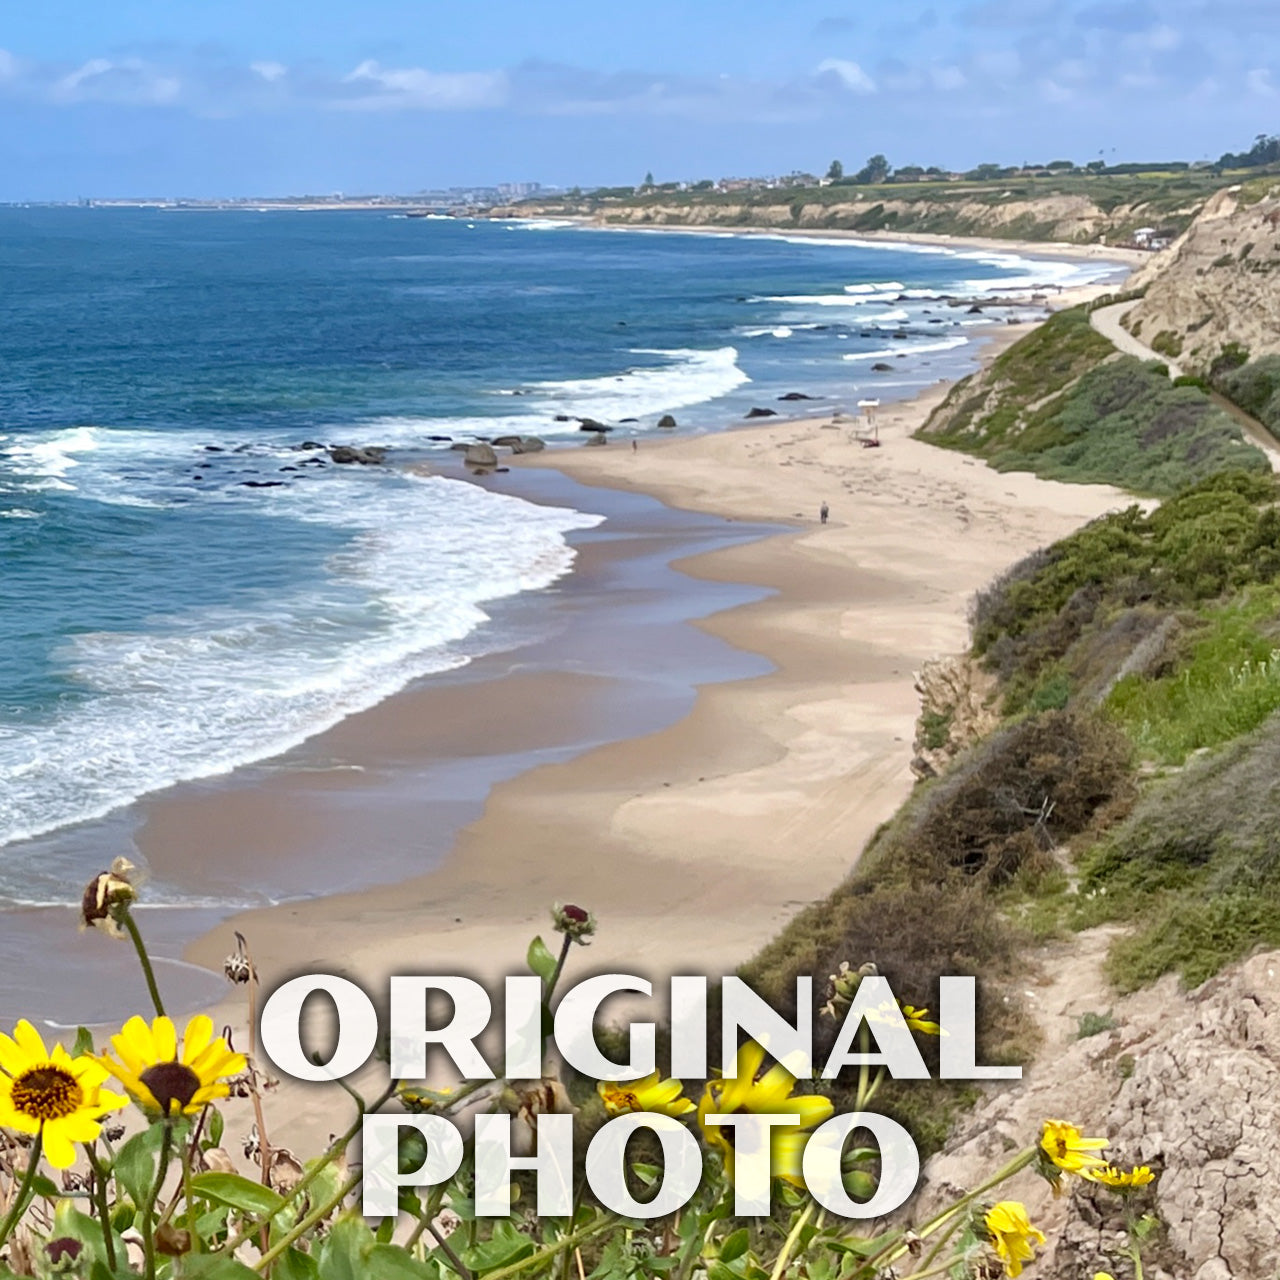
<point x="240" y="1193"/>
<point x="391" y="1262"/>
<point x="735" y="1245"/>
<point x="45" y="1188"/>
<point x="293" y="1264"/>
<point x="84" y="1042"/>
<point x="342" y="1254"/>
<point x="135" y="1163"/>
<point x="504" y="1247"/>
<point x="213" y="1129"/>
<point x="541" y="961"/>
<point x="215" y="1266"/>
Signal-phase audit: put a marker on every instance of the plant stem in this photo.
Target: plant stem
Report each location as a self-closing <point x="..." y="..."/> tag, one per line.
<point x="336" y="1148"/>
<point x="301" y="1228"/>
<point x="19" y="1206"/>
<point x="790" y="1243"/>
<point x="145" y="960"/>
<point x="565" y="1242"/>
<point x="443" y="1245"/>
<point x="185" y="1151"/>
<point x="148" y="1209"/>
<point x="555" y="977"/>
<point x="100" y="1204"/>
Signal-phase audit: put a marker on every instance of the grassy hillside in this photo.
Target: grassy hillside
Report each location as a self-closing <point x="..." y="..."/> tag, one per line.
<point x="1063" y="404"/>
<point x="1132" y="777"/>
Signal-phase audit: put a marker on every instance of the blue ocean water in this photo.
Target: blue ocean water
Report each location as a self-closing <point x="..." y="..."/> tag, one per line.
<point x="183" y="591"/>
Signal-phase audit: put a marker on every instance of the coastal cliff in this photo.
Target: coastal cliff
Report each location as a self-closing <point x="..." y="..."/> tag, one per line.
<point x="1218" y="284"/>
<point x="1093" y="210"/>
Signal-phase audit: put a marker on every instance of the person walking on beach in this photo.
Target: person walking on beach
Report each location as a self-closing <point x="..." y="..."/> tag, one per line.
<point x="823" y="512"/>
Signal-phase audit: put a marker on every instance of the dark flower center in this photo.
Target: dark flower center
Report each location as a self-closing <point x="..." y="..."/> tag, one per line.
<point x="171" y="1082"/>
<point x="64" y="1249"/>
<point x="46" y="1093"/>
<point x="576" y="914"/>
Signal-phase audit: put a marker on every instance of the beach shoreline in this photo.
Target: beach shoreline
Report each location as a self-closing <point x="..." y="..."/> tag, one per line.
<point x="1052" y="250"/>
<point x="693" y="845"/>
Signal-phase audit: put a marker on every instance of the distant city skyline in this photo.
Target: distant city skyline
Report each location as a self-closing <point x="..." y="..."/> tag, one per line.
<point x="280" y="97"/>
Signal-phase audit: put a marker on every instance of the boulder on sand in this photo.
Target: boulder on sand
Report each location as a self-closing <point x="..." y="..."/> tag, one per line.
<point x="480" y="455"/>
<point x="597" y="437"/>
<point x="505" y="442"/>
<point x="528" y="444"/>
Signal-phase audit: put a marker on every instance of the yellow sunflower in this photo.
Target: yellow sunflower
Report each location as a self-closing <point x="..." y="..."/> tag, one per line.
<point x="51" y="1093"/>
<point x="1139" y="1176"/>
<point x="1067" y="1149"/>
<point x="160" y="1081"/>
<point x="771" y="1093"/>
<point x="1012" y="1235"/>
<point x="650" y="1094"/>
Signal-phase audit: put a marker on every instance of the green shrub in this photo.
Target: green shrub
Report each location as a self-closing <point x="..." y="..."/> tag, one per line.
<point x="1229" y="685"/>
<point x="1195" y="866"/>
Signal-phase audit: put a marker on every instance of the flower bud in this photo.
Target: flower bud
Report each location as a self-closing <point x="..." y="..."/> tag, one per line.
<point x="63" y="1254"/>
<point x="577" y="923"/>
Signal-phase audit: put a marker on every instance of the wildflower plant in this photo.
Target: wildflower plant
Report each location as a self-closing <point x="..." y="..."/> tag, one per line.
<point x="169" y="1201"/>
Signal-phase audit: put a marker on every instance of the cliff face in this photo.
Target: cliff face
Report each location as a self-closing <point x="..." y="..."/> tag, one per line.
<point x="1185" y="1082"/>
<point x="1218" y="283"/>
<point x="994" y="213"/>
<point x="1053" y="218"/>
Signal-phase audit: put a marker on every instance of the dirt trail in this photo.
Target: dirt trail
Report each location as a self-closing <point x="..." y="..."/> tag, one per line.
<point x="1106" y="320"/>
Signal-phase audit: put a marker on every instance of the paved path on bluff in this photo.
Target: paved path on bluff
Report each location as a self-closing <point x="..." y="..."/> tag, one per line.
<point x="1106" y="320"/>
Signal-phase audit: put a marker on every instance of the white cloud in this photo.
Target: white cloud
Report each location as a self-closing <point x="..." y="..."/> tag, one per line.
<point x="1259" y="81"/>
<point x="850" y="74"/>
<point x="269" y="71"/>
<point x="128" y="81"/>
<point x="379" y="88"/>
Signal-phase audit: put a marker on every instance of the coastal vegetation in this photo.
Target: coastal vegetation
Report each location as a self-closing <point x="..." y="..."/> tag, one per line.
<point x="134" y="1129"/>
<point x="1062" y="404"/>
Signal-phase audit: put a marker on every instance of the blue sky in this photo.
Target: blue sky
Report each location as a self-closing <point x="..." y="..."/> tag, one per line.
<point x="185" y="97"/>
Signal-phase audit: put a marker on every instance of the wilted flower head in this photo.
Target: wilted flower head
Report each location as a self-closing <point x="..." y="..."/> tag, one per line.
<point x="843" y="986"/>
<point x="107" y="896"/>
<point x="575" y="922"/>
<point x="237" y="967"/>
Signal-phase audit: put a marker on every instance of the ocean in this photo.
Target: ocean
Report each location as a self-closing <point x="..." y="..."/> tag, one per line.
<point x="185" y="590"/>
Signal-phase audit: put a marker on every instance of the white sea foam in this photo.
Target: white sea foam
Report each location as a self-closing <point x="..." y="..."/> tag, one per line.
<point x="948" y="344"/>
<point x="686" y="377"/>
<point x="201" y="692"/>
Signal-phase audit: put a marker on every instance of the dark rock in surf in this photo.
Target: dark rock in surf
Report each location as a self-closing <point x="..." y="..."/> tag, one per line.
<point x="666" y="422"/>
<point x="348" y="454"/>
<point x="762" y="413"/>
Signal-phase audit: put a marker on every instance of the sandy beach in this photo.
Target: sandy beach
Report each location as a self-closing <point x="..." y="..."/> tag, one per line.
<point x="694" y="844"/>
